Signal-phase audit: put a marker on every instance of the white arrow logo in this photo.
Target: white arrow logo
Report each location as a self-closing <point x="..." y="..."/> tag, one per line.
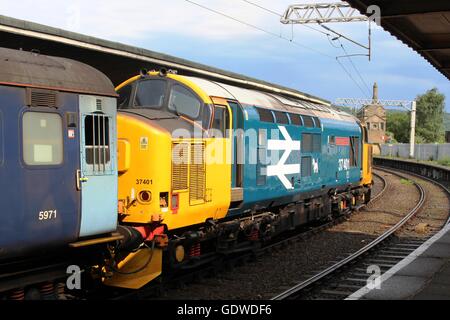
<point x="281" y="169"/>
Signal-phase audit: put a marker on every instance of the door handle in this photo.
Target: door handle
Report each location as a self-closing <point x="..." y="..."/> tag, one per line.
<point x="80" y="179"/>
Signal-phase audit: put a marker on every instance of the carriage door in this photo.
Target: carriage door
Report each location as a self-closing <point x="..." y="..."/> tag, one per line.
<point x="97" y="177"/>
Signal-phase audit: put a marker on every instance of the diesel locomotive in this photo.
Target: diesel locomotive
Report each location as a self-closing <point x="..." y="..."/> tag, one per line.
<point x="163" y="174"/>
<point x="58" y="167"/>
<point x="208" y="169"/>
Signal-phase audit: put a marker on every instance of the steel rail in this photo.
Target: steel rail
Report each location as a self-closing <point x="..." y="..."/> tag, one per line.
<point x="437" y="183"/>
<point x="379" y="194"/>
<point x="339" y="265"/>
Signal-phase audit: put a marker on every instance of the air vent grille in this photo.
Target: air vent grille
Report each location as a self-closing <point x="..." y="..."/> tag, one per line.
<point x="180" y="159"/>
<point x="41" y="98"/>
<point x="197" y="173"/>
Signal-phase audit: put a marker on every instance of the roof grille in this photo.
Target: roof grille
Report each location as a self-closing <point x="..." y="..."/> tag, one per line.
<point x="41" y="98"/>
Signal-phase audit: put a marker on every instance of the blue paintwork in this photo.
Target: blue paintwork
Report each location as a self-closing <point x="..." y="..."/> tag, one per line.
<point x="273" y="192"/>
<point x="27" y="190"/>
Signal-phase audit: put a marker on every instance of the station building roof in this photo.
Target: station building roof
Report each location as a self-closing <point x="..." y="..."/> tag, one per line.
<point x="422" y="25"/>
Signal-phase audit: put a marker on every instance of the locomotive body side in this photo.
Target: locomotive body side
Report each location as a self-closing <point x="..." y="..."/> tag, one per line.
<point x="317" y="161"/>
<point x="215" y="169"/>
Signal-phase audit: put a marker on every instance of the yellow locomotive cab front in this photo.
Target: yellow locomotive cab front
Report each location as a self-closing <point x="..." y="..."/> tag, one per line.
<point x="167" y="180"/>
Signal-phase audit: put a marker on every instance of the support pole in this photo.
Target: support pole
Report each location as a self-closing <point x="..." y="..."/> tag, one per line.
<point x="413" y="130"/>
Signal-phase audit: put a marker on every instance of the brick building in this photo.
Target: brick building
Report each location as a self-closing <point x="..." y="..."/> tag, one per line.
<point x="374" y="117"/>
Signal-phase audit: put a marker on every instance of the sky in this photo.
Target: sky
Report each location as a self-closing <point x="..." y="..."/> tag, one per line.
<point x="307" y="63"/>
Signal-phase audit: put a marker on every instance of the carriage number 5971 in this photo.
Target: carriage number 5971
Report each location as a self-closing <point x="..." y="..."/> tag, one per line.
<point x="47" y="215"/>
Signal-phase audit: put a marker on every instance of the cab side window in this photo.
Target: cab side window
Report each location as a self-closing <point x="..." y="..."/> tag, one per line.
<point x="124" y="97"/>
<point x="220" y="120"/>
<point x="42" y="138"/>
<point x="354" y="151"/>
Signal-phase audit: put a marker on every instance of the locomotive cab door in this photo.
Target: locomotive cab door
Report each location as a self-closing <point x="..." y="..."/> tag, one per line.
<point x="238" y="145"/>
<point x="97" y="177"/>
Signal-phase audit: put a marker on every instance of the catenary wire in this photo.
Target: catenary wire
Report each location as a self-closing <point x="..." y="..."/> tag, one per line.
<point x="277" y="36"/>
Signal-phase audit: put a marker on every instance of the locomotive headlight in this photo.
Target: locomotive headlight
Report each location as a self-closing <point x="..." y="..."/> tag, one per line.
<point x="145" y="196"/>
<point x="179" y="253"/>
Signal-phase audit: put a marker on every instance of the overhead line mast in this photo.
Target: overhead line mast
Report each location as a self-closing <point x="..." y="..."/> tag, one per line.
<point x="320" y="13"/>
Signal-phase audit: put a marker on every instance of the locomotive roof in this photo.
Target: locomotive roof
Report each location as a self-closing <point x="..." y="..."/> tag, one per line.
<point x="270" y="101"/>
<point x="30" y="69"/>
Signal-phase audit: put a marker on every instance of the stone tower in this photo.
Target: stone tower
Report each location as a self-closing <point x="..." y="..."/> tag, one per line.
<point x="374" y="117"/>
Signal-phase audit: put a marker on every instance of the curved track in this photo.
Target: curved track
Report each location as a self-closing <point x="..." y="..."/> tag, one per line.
<point x="319" y="281"/>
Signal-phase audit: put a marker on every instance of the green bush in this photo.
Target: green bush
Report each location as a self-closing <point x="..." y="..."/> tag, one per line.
<point x="444" y="162"/>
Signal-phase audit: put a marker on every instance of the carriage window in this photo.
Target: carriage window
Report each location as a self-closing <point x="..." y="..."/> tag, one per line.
<point x="308" y="121"/>
<point x="307" y="143"/>
<point x="317" y="143"/>
<point x="311" y="142"/>
<point x="332" y="140"/>
<point x="317" y="122"/>
<point x="265" y="115"/>
<point x="96" y="133"/>
<point x="42" y="138"/>
<point x="124" y="97"/>
<point x="295" y="119"/>
<point x="220" y="121"/>
<point x="183" y="102"/>
<point x="150" y="94"/>
<point x="281" y="117"/>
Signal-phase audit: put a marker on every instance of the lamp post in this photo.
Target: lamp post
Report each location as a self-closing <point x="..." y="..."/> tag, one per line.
<point x="412" y="137"/>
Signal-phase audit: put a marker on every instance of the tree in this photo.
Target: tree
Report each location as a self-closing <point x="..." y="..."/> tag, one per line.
<point x="430" y="116"/>
<point x="429" y="119"/>
<point x="398" y="123"/>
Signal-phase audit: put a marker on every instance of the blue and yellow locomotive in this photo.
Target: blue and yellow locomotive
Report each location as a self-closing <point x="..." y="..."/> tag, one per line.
<point x="219" y="168"/>
<point x="186" y="170"/>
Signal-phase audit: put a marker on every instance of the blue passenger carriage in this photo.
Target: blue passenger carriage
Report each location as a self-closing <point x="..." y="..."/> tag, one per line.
<point x="58" y="173"/>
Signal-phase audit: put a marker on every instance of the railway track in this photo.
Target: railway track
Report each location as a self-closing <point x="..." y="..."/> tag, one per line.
<point x="348" y="275"/>
<point x="226" y="263"/>
<point x="219" y="265"/>
<point x="389" y="253"/>
<point x="383" y="189"/>
<point x="229" y="263"/>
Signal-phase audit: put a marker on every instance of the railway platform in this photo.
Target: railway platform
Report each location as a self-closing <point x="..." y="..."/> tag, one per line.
<point x="423" y="275"/>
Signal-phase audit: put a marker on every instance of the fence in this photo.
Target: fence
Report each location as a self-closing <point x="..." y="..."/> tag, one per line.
<point x="428" y="151"/>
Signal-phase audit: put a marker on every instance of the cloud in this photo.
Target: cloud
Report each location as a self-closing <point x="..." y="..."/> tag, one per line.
<point x="150" y="18"/>
<point x="183" y="29"/>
